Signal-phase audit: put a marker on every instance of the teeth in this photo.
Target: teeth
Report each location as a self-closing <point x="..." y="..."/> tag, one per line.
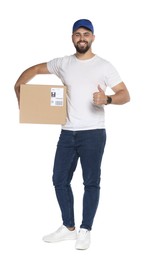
<point x="82" y="43"/>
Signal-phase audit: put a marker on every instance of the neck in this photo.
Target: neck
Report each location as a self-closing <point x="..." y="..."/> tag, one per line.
<point x="85" y="56"/>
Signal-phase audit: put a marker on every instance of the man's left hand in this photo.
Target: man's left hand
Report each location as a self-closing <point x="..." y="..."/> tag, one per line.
<point x="99" y="98"/>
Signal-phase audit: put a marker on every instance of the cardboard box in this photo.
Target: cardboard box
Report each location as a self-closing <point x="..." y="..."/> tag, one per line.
<point x="42" y="104"/>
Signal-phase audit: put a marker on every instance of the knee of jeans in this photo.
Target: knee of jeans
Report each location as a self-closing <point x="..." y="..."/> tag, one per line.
<point x="91" y="184"/>
<point x="59" y="182"/>
<point x="55" y="180"/>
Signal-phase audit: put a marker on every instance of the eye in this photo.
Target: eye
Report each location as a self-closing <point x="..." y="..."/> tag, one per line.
<point x="86" y="34"/>
<point x="77" y="34"/>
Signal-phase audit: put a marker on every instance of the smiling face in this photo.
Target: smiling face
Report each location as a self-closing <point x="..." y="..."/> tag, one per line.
<point x="82" y="39"/>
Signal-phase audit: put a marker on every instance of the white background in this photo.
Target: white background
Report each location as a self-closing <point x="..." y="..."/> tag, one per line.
<point x="37" y="31"/>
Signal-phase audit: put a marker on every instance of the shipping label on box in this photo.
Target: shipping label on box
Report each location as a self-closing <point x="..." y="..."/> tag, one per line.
<point x="42" y="104"/>
<point x="57" y="96"/>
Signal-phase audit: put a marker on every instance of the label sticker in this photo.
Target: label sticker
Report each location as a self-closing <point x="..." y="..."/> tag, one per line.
<point x="57" y="97"/>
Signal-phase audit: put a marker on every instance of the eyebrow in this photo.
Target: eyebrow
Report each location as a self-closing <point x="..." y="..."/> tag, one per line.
<point x="87" y="32"/>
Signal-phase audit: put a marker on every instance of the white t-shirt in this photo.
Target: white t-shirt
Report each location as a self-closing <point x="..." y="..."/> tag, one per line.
<point x="82" y="77"/>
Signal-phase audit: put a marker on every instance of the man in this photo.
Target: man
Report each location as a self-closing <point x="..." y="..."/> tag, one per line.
<point x="83" y="136"/>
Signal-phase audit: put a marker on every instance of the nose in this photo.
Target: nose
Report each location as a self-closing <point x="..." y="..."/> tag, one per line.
<point x="81" y="37"/>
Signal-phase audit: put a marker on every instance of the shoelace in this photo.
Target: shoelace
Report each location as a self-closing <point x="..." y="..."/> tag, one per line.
<point x="83" y="233"/>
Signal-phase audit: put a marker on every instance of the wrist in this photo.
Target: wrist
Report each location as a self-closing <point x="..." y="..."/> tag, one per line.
<point x="108" y="100"/>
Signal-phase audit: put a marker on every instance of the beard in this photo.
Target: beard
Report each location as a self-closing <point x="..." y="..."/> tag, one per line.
<point x="83" y="49"/>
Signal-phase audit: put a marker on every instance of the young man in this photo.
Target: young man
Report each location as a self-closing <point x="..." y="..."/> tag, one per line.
<point x="83" y="136"/>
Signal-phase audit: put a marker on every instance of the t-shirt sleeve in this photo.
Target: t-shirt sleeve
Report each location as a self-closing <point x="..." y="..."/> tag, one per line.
<point x="112" y="77"/>
<point x="54" y="66"/>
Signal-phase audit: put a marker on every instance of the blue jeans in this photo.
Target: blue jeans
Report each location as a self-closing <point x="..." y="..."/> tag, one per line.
<point x="88" y="145"/>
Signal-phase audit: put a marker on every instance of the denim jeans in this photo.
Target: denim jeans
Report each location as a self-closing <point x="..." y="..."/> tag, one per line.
<point x="88" y="145"/>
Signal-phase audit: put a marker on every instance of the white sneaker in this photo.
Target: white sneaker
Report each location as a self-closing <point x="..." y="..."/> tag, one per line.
<point x="61" y="234"/>
<point x="83" y="239"/>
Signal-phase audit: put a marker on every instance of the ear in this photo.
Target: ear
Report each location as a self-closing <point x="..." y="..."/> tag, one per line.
<point x="72" y="37"/>
<point x="93" y="38"/>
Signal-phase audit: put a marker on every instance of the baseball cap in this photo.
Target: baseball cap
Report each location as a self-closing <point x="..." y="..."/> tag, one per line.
<point x="83" y="23"/>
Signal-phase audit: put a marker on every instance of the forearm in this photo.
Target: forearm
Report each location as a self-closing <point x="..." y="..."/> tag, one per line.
<point x="28" y="74"/>
<point x="23" y="79"/>
<point x="120" y="98"/>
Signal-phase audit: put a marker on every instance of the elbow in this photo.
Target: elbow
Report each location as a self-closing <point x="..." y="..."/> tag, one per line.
<point x="128" y="98"/>
<point x="126" y="95"/>
<point x="16" y="88"/>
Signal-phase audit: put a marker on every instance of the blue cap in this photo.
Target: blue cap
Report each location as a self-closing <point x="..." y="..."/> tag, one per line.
<point x="83" y="23"/>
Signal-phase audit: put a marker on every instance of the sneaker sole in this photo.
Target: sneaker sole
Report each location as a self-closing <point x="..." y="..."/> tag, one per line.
<point x="58" y="240"/>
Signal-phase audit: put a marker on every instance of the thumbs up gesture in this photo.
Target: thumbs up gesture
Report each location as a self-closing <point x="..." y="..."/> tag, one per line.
<point x="99" y="98"/>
